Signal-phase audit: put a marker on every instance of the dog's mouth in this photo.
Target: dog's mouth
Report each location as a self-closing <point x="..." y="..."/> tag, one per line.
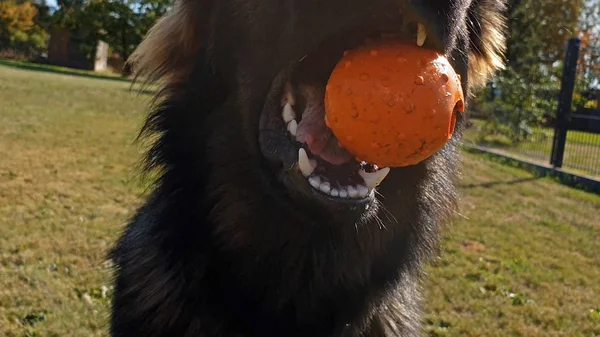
<point x="294" y="137"/>
<point x="328" y="168"/>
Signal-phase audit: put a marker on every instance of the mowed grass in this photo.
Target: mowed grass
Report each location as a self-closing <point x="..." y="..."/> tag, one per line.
<point x="521" y="259"/>
<point x="67" y="186"/>
<point x="62" y="70"/>
<point x="582" y="149"/>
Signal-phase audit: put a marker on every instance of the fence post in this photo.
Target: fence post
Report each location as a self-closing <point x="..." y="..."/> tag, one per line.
<point x="564" y="102"/>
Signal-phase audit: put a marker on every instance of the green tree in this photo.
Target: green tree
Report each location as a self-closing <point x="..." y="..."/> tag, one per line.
<point x="589" y="33"/>
<point x="124" y="23"/>
<point x="538" y="31"/>
<point x="120" y="23"/>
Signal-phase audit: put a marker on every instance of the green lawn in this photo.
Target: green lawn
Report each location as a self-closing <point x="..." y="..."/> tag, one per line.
<point x="582" y="149"/>
<point x="62" y="70"/>
<point x="521" y="258"/>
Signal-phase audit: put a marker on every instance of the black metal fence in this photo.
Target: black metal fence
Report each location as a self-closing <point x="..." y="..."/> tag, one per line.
<point x="571" y="141"/>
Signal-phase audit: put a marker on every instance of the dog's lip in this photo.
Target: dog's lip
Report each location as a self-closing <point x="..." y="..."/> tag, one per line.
<point x="285" y="157"/>
<point x="282" y="153"/>
<point x="293" y="180"/>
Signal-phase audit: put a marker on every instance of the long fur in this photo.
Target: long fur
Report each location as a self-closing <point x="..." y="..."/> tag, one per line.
<point x="168" y="53"/>
<point x="218" y="250"/>
<point x="486" y="25"/>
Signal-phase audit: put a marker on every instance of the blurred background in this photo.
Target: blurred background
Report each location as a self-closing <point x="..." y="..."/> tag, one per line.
<point x="520" y="259"/>
<point x="93" y="35"/>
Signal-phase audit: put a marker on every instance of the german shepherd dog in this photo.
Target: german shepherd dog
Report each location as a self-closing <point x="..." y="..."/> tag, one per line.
<point x="235" y="238"/>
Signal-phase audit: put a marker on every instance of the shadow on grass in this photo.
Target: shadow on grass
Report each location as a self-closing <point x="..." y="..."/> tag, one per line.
<point x="60" y="70"/>
<point x="140" y="92"/>
<point x="496" y="183"/>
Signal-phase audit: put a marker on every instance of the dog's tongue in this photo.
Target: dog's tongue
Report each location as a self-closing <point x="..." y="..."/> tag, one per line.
<point x="313" y="131"/>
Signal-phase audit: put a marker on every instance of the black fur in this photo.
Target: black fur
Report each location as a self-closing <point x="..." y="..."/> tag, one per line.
<point x="220" y="248"/>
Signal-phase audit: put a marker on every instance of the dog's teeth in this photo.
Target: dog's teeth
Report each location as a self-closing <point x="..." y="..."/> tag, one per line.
<point x="372" y="180"/>
<point x="292" y="127"/>
<point x="363" y="191"/>
<point x="314" y="182"/>
<point x="334" y="192"/>
<point x="288" y="113"/>
<point x="421" y="34"/>
<point x="289" y="97"/>
<point x="343" y="192"/>
<point x="325" y="187"/>
<point x="352" y="191"/>
<point x="288" y="94"/>
<point x="306" y="165"/>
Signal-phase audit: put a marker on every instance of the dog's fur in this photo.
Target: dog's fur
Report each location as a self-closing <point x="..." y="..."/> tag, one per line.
<point x="219" y="248"/>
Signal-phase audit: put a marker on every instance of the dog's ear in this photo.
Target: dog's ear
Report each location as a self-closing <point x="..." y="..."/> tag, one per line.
<point x="172" y="48"/>
<point x="486" y="28"/>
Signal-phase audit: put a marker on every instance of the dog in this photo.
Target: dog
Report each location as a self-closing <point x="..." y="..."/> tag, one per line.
<point x="234" y="239"/>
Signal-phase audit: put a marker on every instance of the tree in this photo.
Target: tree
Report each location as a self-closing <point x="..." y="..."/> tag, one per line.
<point x="19" y="30"/>
<point x="120" y="23"/>
<point x="124" y="23"/>
<point x="588" y="72"/>
<point x="538" y="31"/>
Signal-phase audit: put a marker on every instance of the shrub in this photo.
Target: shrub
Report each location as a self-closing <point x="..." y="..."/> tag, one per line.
<point x="520" y="106"/>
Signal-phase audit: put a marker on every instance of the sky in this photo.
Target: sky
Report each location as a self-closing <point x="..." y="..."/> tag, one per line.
<point x="51" y="3"/>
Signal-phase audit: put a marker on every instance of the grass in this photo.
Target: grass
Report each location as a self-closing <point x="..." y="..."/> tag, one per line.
<point x="62" y="70"/>
<point x="582" y="149"/>
<point x="521" y="258"/>
<point x="66" y="188"/>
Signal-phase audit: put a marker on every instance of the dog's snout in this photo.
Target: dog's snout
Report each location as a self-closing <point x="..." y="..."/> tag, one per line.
<point x="441" y="20"/>
<point x="427" y="21"/>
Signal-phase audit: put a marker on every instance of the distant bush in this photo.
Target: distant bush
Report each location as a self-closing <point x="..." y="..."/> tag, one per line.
<point x="519" y="106"/>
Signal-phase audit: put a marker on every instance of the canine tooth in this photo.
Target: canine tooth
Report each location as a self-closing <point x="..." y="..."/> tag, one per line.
<point x="372" y="180"/>
<point x="352" y="191"/>
<point x="288" y="95"/>
<point x="421" y="34"/>
<point x="292" y="127"/>
<point x="334" y="192"/>
<point x="288" y="113"/>
<point x="325" y="187"/>
<point x="362" y="191"/>
<point x="343" y="193"/>
<point x="306" y="165"/>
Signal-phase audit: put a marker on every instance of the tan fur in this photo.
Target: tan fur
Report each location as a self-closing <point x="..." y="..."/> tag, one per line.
<point x="485" y="60"/>
<point x="167" y="53"/>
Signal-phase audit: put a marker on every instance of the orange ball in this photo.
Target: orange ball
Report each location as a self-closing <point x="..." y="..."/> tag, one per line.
<point x="393" y="104"/>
